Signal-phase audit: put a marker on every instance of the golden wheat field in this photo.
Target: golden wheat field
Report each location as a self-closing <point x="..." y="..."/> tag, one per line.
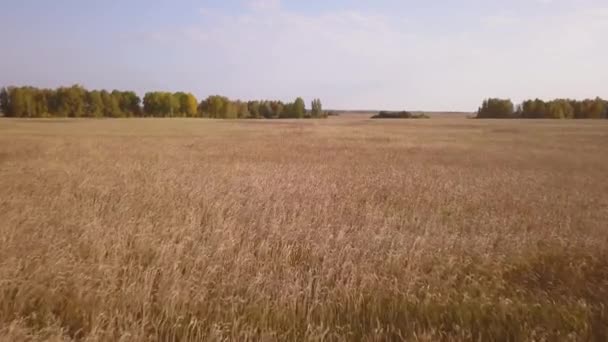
<point x="340" y="229"/>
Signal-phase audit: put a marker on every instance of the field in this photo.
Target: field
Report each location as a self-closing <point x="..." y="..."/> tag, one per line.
<point x="340" y="229"/>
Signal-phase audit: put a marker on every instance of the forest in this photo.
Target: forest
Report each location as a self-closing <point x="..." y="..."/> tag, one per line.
<point x="76" y="101"/>
<point x="538" y="109"/>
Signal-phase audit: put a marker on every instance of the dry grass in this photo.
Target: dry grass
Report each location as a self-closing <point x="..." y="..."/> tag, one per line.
<point x="343" y="229"/>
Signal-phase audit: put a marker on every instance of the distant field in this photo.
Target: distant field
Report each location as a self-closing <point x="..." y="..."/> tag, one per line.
<point x="337" y="229"/>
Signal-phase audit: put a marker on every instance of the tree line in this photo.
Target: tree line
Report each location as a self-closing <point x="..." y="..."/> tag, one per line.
<point x="222" y="107"/>
<point x="399" y="115"/>
<point x="76" y="101"/>
<point x="72" y="101"/>
<point x="538" y="109"/>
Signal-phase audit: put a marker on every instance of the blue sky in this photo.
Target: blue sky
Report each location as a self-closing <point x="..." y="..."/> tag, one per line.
<point x="383" y="54"/>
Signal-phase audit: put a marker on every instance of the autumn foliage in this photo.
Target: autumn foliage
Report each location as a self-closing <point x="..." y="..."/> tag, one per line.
<point x="76" y="101"/>
<point x="538" y="109"/>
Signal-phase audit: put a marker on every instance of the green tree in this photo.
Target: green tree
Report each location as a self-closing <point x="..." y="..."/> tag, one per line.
<point x="190" y="105"/>
<point x="171" y="102"/>
<point x="559" y="109"/>
<point x="254" y="109"/>
<point x="596" y="108"/>
<point x="71" y="101"/>
<point x="123" y="106"/>
<point x="4" y="101"/>
<point x="41" y="103"/>
<point x="151" y="104"/>
<point x="168" y="105"/>
<point x="527" y="108"/>
<point x="555" y="110"/>
<point x="567" y="109"/>
<point x="187" y="104"/>
<point x="30" y="103"/>
<point x="95" y="106"/>
<point x="277" y="109"/>
<point x="496" y="108"/>
<point x="129" y="103"/>
<point x="22" y="102"/>
<point x="540" y="109"/>
<point x="288" y="111"/>
<point x="18" y="104"/>
<point x="534" y="109"/>
<point x="52" y="101"/>
<point x="266" y="110"/>
<point x="159" y="104"/>
<point x="242" y="110"/>
<point x="299" y="108"/>
<point x="76" y="101"/>
<point x="111" y="107"/>
<point x="216" y="106"/>
<point x="316" y="108"/>
<point x="229" y="111"/>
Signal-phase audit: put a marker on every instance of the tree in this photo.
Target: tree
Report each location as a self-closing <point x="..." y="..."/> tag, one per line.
<point x="129" y="103"/>
<point x="229" y="110"/>
<point x="535" y="109"/>
<point x="71" y="101"/>
<point x="540" y="109"/>
<point x="187" y="104"/>
<point x="151" y="104"/>
<point x="277" y="108"/>
<point x="4" y="101"/>
<point x="254" y="109"/>
<point x="169" y="105"/>
<point x="111" y="107"/>
<point x="117" y="97"/>
<point x="496" y="108"/>
<point x="41" y="103"/>
<point x="243" y="110"/>
<point x="288" y="111"/>
<point x="23" y="102"/>
<point x="527" y="109"/>
<point x="215" y="106"/>
<point x="18" y="106"/>
<point x="596" y="108"/>
<point x="76" y="101"/>
<point x="266" y="110"/>
<point x="159" y="104"/>
<point x="299" y="108"/>
<point x="559" y="109"/>
<point x="316" y="108"/>
<point x="555" y="111"/>
<point x="567" y="108"/>
<point x="95" y="106"/>
<point x="52" y="101"/>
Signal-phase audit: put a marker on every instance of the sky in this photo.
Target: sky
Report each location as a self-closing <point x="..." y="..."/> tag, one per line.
<point x="352" y="54"/>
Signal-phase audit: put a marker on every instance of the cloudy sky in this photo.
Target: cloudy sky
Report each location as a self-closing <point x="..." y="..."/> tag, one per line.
<point x="353" y="54"/>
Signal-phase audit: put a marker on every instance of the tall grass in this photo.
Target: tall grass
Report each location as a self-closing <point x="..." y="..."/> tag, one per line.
<point x="344" y="229"/>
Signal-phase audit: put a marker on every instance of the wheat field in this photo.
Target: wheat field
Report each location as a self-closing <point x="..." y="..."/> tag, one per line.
<point x="444" y="229"/>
